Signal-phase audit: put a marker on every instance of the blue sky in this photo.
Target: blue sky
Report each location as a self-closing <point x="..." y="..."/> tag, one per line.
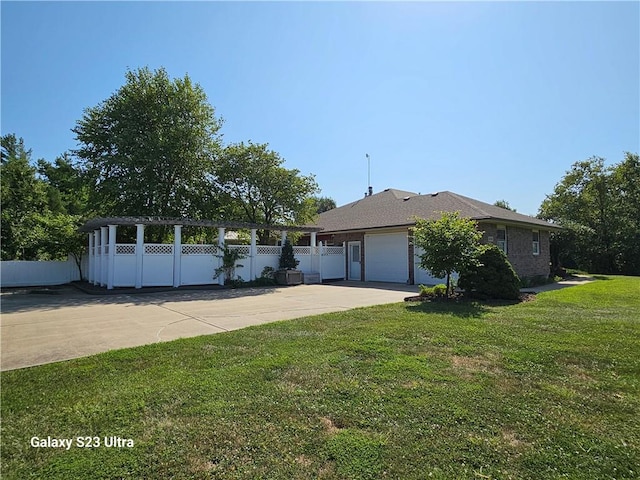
<point x="491" y="100"/>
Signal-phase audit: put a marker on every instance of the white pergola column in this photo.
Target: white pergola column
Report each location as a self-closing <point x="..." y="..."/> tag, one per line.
<point x="177" y="255"/>
<point x="220" y="249"/>
<point x="139" y="253"/>
<point x="112" y="256"/>
<point x="253" y="251"/>
<point x="314" y="236"/>
<point x="91" y="258"/>
<point x="97" y="261"/>
<point x="103" y="258"/>
<point x="283" y="235"/>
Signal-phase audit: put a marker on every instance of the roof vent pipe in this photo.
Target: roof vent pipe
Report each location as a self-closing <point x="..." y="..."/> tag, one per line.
<point x="370" y="190"/>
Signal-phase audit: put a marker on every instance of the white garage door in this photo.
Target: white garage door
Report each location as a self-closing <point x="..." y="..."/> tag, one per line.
<point x="425" y="277"/>
<point x="386" y="257"/>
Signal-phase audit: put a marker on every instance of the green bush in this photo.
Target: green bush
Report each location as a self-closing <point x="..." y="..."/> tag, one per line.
<point x="493" y="277"/>
<point x="435" y="291"/>
<point x="268" y="272"/>
<point x="263" y="282"/>
<point x="266" y="278"/>
<point x="425" y="291"/>
<point x="229" y="259"/>
<point x="237" y="282"/>
<point x="287" y="259"/>
<point x="440" y="290"/>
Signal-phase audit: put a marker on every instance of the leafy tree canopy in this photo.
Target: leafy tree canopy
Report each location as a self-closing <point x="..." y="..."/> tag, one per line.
<point x="449" y="244"/>
<point x="149" y="147"/>
<point x="152" y="148"/>
<point x="40" y="213"/>
<point x="252" y="182"/>
<point x="23" y="197"/>
<point x="599" y="208"/>
<point x="323" y="204"/>
<point x="67" y="185"/>
<point x="504" y="204"/>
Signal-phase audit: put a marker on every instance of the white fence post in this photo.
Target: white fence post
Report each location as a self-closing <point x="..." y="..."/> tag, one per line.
<point x="103" y="259"/>
<point x="177" y="254"/>
<point x="139" y="253"/>
<point x="252" y="256"/>
<point x="345" y="259"/>
<point x="112" y="256"/>
<point x="220" y="250"/>
<point x="97" y="261"/>
<point x="91" y="246"/>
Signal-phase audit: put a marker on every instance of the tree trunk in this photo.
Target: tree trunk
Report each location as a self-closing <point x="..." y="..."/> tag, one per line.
<point x="78" y="260"/>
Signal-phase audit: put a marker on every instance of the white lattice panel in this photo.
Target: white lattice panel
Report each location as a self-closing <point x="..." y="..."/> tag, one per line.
<point x="126" y="249"/>
<point x="268" y="250"/>
<point x="158" y="249"/>
<point x="302" y="250"/>
<point x="243" y="249"/>
<point x="334" y="250"/>
<point x="198" y="249"/>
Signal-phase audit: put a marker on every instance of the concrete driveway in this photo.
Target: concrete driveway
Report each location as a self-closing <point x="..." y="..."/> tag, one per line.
<point x="45" y="328"/>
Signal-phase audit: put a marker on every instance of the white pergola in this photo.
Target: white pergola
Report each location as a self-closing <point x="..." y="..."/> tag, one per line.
<point x="108" y="260"/>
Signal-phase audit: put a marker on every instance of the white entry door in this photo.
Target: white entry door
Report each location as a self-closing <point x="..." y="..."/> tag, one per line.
<point x="354" y="261"/>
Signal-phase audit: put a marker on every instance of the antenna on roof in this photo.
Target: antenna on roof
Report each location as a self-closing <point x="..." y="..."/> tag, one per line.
<point x="370" y="190"/>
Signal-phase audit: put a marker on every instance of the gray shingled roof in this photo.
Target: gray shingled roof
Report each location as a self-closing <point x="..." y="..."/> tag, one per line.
<point x="392" y="208"/>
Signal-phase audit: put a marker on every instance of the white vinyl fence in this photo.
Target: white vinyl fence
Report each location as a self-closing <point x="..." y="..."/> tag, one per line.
<point x="39" y="273"/>
<point x="188" y="264"/>
<point x="160" y="265"/>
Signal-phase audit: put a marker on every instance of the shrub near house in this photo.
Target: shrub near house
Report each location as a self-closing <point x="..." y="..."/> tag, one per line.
<point x="492" y="277"/>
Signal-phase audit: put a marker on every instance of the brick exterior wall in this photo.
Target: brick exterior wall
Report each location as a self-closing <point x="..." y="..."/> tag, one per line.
<point x="520" y="249"/>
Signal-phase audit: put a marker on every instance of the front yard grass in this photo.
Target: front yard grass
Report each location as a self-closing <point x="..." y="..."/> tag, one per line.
<point x="540" y="390"/>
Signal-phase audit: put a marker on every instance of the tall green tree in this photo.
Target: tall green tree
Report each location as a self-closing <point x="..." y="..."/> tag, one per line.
<point x="449" y="244"/>
<point x="42" y="207"/>
<point x="68" y="188"/>
<point x="598" y="207"/>
<point x="583" y="203"/>
<point x="256" y="187"/>
<point x="24" y="198"/>
<point x="626" y="181"/>
<point x="149" y="148"/>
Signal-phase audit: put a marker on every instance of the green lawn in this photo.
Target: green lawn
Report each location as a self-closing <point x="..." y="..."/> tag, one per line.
<point x="544" y="389"/>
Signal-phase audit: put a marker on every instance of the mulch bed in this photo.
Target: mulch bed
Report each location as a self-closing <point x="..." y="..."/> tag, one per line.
<point x="461" y="297"/>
